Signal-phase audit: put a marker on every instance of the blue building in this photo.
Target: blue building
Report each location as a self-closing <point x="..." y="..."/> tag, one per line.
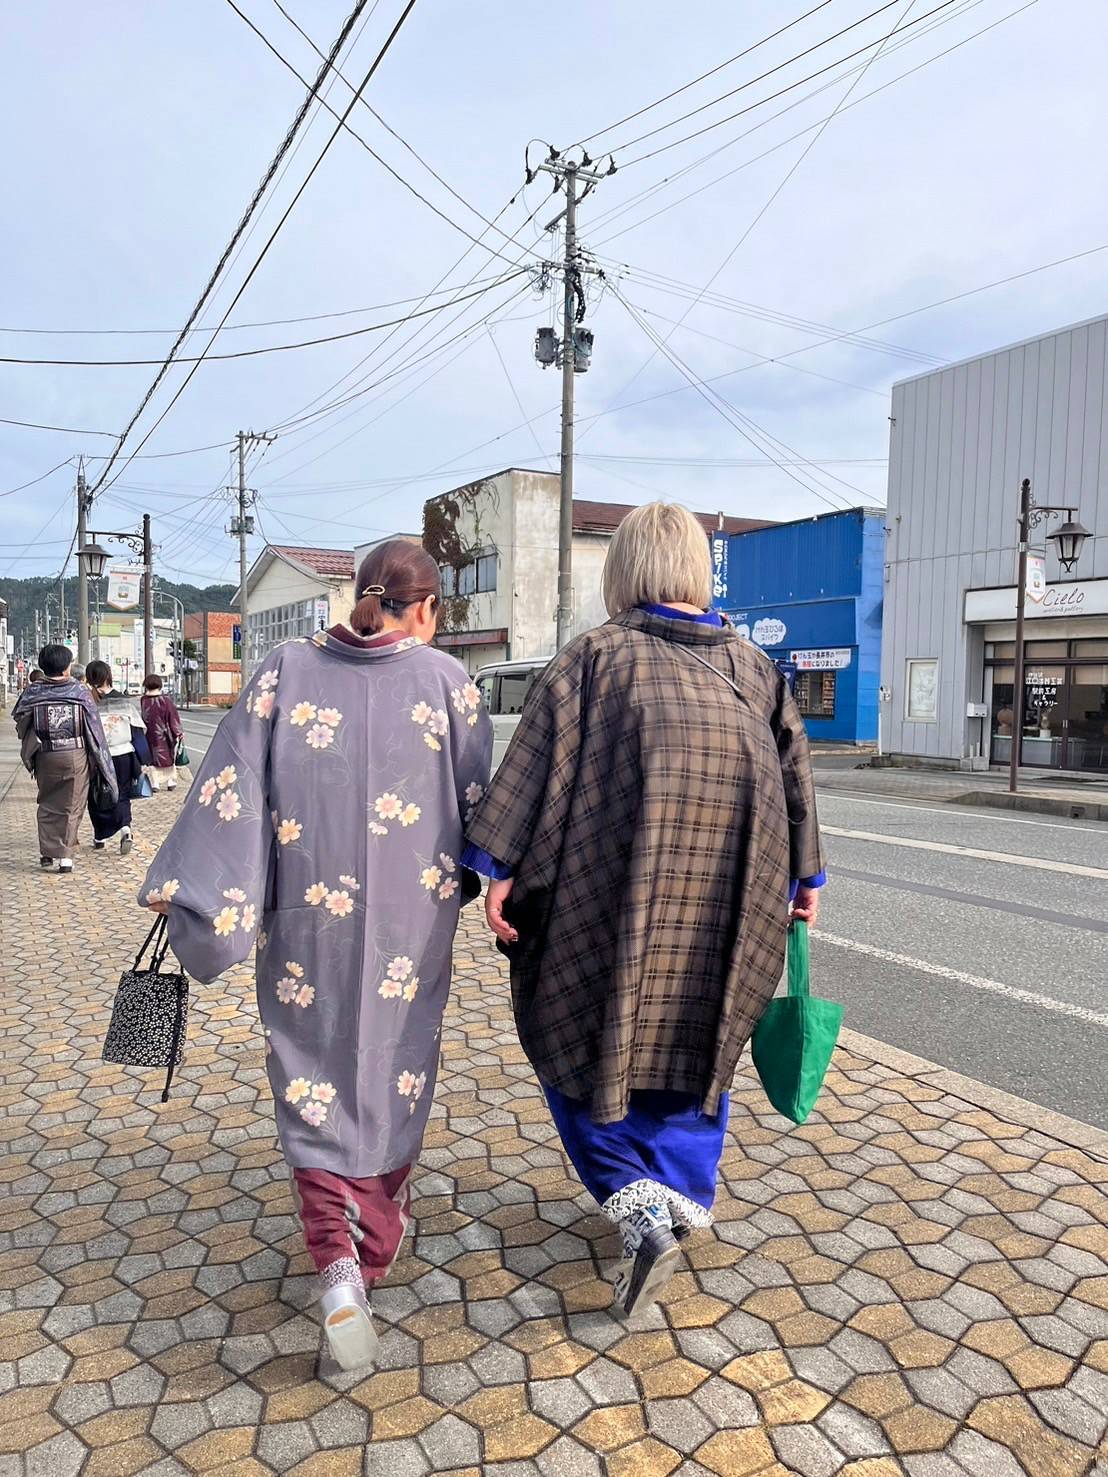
<point x="810" y="594"/>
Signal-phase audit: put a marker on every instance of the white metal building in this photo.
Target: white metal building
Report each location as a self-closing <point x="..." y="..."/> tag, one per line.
<point x="962" y="440"/>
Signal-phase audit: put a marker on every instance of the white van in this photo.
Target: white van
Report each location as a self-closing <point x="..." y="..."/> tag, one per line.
<point x="504" y="687"/>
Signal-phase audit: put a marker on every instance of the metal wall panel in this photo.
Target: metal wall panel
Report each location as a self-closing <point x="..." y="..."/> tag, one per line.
<point x="962" y="438"/>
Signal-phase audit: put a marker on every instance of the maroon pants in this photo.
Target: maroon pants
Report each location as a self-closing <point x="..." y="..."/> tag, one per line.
<point x="353" y="1228"/>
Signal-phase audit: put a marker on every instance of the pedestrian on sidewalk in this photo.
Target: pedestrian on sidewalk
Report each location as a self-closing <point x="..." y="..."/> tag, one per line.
<point x="642" y="833"/>
<point x="163" y="731"/>
<point x="329" y="810"/>
<point x="62" y="744"/>
<point x="122" y="723"/>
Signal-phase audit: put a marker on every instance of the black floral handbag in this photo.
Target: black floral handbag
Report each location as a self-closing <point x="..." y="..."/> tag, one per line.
<point x="150" y="1012"/>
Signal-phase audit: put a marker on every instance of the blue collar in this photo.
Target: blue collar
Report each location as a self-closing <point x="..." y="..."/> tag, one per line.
<point x="667" y="612"/>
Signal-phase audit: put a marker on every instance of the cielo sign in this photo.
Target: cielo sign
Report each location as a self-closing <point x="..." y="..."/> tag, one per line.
<point x="1077" y="597"/>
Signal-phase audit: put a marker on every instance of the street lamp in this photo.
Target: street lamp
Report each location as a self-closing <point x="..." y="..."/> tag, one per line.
<point x="93" y="557"/>
<point x="1069" y="539"/>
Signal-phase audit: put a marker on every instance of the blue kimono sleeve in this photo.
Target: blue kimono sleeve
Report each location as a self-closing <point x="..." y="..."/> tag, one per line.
<point x="213" y="867"/>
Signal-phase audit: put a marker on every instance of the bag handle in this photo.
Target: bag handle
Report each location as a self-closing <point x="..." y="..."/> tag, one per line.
<point x="159" y="927"/>
<point x="798" y="959"/>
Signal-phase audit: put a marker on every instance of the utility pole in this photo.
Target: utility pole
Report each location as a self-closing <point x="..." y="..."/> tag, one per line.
<point x="576" y="348"/>
<point x="241" y="525"/>
<point x="147" y="597"/>
<point x="82" y="572"/>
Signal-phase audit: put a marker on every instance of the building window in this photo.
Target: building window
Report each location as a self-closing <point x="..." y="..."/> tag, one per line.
<point x="467" y="579"/>
<point x="449" y="578"/>
<point x="486" y="573"/>
<point x="815" y="694"/>
<point x="922" y="700"/>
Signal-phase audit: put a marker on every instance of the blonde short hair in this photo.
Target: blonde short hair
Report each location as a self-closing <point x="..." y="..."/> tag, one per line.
<point x="659" y="556"/>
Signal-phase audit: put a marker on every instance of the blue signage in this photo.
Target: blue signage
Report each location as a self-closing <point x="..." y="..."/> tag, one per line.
<point x="720" y="544"/>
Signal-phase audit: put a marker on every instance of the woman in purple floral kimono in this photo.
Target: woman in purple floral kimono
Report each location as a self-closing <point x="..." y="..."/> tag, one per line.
<point x="325" y="826"/>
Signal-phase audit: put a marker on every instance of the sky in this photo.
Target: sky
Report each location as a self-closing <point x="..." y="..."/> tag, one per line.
<point x="137" y="133"/>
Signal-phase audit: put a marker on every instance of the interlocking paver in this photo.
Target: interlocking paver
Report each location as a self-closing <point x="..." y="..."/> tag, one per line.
<point x="906" y="1285"/>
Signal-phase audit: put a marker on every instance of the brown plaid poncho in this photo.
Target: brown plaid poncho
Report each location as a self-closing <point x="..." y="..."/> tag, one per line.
<point x="652" y="820"/>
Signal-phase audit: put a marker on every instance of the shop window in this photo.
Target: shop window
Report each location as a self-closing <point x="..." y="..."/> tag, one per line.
<point x="922" y="699"/>
<point x="815" y="694"/>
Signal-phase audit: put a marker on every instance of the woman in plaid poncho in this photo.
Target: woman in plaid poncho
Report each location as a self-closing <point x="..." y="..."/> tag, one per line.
<point x="643" y="835"/>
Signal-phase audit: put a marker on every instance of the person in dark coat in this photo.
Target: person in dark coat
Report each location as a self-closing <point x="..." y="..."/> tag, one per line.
<point x="163" y="731"/>
<point x="122" y="725"/>
<point x="63" y="746"/>
<point x="642" y="834"/>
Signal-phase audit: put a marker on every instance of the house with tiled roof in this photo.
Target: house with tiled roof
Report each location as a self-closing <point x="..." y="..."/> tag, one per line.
<point x="295" y="591"/>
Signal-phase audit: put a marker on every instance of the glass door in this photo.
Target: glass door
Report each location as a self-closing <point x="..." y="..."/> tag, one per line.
<point x="1043" y="719"/>
<point x="1086" y="718"/>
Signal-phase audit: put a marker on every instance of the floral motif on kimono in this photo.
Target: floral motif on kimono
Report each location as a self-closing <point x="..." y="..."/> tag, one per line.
<point x="324" y="825"/>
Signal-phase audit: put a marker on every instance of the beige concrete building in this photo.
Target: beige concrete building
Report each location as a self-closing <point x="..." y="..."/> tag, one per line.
<point x="496" y="542"/>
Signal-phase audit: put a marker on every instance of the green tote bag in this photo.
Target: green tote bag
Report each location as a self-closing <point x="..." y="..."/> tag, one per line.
<point x="793" y="1042"/>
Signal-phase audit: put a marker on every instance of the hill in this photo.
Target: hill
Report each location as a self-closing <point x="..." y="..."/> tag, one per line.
<point x="24" y="596"/>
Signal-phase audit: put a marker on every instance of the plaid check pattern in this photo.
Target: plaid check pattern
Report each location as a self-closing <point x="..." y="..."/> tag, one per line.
<point x="652" y="819"/>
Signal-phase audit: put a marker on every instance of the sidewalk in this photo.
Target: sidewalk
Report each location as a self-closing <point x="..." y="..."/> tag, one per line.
<point x="909" y="1284"/>
<point x="1037" y="794"/>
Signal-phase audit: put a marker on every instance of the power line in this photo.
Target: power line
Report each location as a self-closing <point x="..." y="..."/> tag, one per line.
<point x="783" y="183"/>
<point x="209" y="286"/>
<point x="209" y="328"/>
<point x="783" y="143"/>
<point x="355" y="134"/>
<point x="739" y="421"/>
<point x="771" y="97"/>
<point x="492" y="226"/>
<point x="41" y="478"/>
<point x="310" y="343"/>
<point x="638" y="113"/>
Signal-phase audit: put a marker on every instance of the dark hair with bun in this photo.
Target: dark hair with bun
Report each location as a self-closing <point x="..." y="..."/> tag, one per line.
<point x="390" y="578"/>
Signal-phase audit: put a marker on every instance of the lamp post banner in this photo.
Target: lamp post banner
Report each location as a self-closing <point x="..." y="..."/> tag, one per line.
<point x="124" y="586"/>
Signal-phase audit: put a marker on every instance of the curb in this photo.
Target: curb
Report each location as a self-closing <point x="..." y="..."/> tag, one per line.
<point x="1094" y="810"/>
<point x="1015" y="1110"/>
<point x="1086" y="810"/>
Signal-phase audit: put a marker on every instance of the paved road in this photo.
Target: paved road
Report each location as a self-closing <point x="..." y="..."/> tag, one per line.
<point x="976" y="939"/>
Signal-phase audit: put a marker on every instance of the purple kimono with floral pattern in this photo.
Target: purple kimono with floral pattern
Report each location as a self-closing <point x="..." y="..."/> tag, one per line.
<point x="325" y="825"/>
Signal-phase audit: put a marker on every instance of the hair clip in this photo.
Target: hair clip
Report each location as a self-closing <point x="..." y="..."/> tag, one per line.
<point x="377" y="590"/>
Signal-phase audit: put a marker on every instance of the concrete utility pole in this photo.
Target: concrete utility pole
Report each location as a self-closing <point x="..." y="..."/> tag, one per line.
<point x="575" y="359"/>
<point x="241" y="525"/>
<point x="147" y="597"/>
<point x="82" y="572"/>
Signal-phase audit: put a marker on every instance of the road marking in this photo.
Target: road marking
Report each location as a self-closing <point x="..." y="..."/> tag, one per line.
<point x="1042" y="863"/>
<point x="978" y="813"/>
<point x="975" y="900"/>
<point x="960" y="977"/>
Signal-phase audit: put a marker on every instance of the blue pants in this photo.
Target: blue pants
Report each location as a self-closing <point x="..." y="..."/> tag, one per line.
<point x="665" y="1152"/>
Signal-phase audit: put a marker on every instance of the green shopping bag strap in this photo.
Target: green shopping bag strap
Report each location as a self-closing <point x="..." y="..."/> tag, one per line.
<point x="798" y="959"/>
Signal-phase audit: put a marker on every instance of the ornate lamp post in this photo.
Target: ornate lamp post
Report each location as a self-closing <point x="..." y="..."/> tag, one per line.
<point x="1069" y="539"/>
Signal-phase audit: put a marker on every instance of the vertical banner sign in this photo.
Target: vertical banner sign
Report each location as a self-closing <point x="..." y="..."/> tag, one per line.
<point x="124" y="586"/>
<point x="236" y="642"/>
<point x="719" y="566"/>
<point x="322" y="611"/>
<point x="1036" y="578"/>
